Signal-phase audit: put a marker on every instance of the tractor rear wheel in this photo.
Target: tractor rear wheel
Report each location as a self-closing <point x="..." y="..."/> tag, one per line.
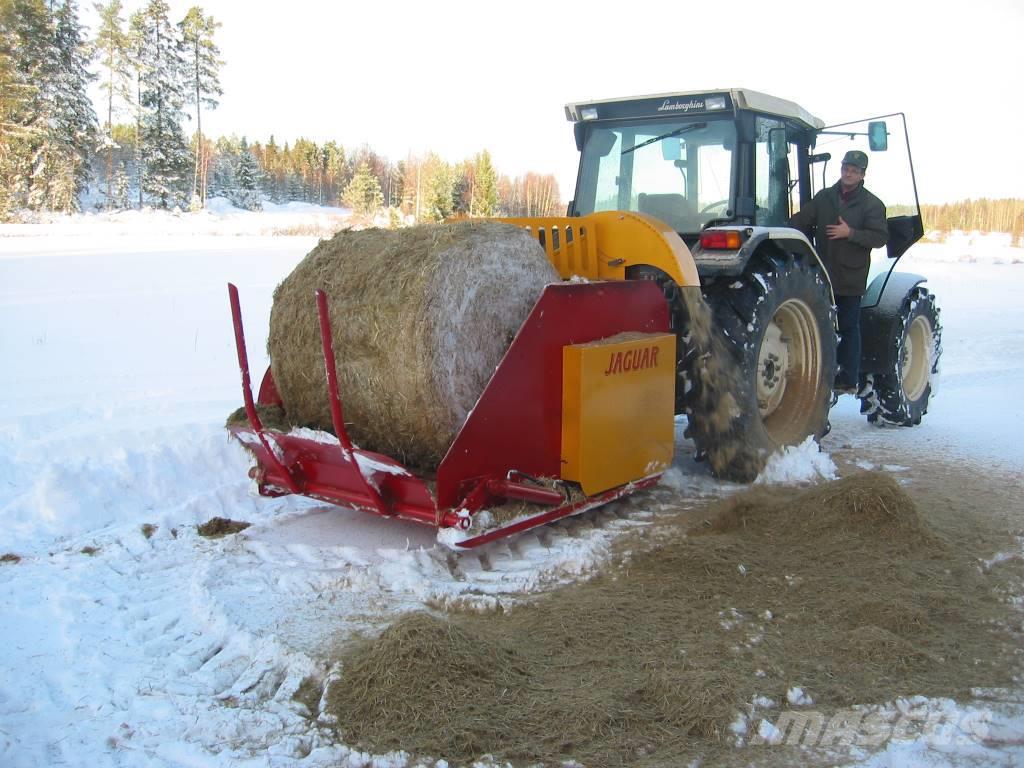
<point x="901" y="396"/>
<point x="776" y="323"/>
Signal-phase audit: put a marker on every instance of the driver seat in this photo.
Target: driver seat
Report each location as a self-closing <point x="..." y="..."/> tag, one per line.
<point x="674" y="209"/>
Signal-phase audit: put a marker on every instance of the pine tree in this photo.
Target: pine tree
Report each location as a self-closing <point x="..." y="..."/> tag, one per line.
<point x="295" y="188"/>
<point x="363" y="193"/>
<point x="136" y="46"/>
<point x="273" y="179"/>
<point x="485" y="186"/>
<point x="49" y="122"/>
<point x="436" y="185"/>
<point x="162" y="97"/>
<point x="313" y="167"/>
<point x="16" y="97"/>
<point x="462" y="188"/>
<point x="112" y="46"/>
<point x="222" y="181"/>
<point x="202" y="72"/>
<point x="335" y="171"/>
<point x="32" y="62"/>
<point x="73" y="120"/>
<point x="120" y="197"/>
<point x="248" y="175"/>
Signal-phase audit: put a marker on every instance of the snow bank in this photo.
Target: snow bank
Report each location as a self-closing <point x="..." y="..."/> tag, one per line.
<point x="968" y="248"/>
<point x="219" y="217"/>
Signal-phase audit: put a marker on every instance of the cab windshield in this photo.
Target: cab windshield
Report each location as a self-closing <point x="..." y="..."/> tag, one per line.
<point x="677" y="171"/>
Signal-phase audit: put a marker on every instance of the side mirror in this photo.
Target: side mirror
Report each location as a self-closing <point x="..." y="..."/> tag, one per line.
<point x="878" y="137"/>
<point x="602" y="141"/>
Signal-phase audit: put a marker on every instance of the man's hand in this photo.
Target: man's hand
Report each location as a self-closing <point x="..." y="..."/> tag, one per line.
<point x="838" y="231"/>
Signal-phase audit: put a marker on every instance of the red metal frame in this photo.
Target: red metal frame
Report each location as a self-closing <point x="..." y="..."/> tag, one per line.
<point x="549" y="516"/>
<point x="517" y="422"/>
<point x="514" y="429"/>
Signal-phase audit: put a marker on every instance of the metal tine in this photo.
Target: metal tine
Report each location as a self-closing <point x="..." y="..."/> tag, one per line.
<point x="250" y="406"/>
<point x="327" y="343"/>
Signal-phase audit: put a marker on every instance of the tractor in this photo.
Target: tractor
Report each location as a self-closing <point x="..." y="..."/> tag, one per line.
<point x="725" y="169"/>
<point x="682" y="291"/>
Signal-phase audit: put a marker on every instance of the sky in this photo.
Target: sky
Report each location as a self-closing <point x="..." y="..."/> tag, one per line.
<point x="458" y="77"/>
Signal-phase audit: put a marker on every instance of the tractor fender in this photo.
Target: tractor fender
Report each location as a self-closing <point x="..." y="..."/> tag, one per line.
<point x="880" y="318"/>
<point x="727" y="263"/>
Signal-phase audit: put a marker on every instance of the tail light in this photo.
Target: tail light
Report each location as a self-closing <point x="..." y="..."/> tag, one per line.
<point x="721" y="240"/>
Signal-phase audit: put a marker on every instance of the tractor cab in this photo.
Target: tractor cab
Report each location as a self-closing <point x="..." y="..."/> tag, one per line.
<point x="733" y="157"/>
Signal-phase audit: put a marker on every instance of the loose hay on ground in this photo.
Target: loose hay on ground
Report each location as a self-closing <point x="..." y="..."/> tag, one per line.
<point x="868" y="503"/>
<point x="221" y="526"/>
<point x="420" y="317"/>
<point x="845" y="591"/>
<point x="308" y="694"/>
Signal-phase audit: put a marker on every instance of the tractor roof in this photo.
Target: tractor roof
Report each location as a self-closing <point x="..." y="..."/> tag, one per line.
<point x="690" y="102"/>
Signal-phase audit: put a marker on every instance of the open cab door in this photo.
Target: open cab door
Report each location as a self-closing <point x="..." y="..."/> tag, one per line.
<point x="890" y="174"/>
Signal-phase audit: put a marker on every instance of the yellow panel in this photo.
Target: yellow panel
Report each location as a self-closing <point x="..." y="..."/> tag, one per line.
<point x="618" y="397"/>
<point x="601" y="245"/>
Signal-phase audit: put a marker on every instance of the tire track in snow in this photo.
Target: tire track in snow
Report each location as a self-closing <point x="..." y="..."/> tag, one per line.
<point x="168" y="678"/>
<point x="296" y="580"/>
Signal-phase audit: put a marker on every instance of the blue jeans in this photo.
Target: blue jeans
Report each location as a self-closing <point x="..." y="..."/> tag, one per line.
<point x="848" y="353"/>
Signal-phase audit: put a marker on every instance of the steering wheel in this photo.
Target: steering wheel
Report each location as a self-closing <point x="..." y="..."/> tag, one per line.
<point x="708" y="208"/>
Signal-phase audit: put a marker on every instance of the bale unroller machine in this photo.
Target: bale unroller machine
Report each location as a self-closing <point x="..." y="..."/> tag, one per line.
<point x="579" y="411"/>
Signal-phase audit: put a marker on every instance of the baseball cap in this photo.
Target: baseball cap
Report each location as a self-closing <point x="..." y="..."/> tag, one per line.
<point x="856" y="157"/>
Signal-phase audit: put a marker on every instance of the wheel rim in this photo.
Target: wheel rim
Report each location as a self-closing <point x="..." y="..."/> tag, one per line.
<point x="789" y="372"/>
<point x="916" y="364"/>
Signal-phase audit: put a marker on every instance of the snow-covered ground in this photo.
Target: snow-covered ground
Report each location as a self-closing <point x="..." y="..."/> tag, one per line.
<point x="169" y="649"/>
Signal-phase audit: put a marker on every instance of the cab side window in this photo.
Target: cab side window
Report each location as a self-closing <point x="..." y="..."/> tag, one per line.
<point x="772" y="157"/>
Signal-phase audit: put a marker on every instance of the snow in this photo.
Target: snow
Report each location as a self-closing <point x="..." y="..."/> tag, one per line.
<point x="219" y="217"/>
<point x="798" y="464"/>
<point x="170" y="649"/>
<point x="798" y="697"/>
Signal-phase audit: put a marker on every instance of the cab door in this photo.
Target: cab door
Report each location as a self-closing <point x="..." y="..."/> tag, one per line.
<point x="890" y="173"/>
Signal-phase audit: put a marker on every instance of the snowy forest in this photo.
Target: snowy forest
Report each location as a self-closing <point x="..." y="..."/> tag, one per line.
<point x="61" y="152"/>
<point x="142" y="144"/>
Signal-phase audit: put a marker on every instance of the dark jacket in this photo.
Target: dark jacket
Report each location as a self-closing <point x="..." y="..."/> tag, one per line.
<point x="849" y="259"/>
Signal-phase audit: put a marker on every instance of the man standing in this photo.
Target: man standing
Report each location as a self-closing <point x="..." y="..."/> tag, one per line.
<point x="846" y="222"/>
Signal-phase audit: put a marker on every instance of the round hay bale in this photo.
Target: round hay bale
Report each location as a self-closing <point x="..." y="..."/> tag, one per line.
<point x="420" y="316"/>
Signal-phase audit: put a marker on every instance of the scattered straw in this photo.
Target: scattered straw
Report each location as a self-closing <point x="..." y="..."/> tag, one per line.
<point x="842" y="589"/>
<point x="10" y="557"/>
<point x="221" y="526"/>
